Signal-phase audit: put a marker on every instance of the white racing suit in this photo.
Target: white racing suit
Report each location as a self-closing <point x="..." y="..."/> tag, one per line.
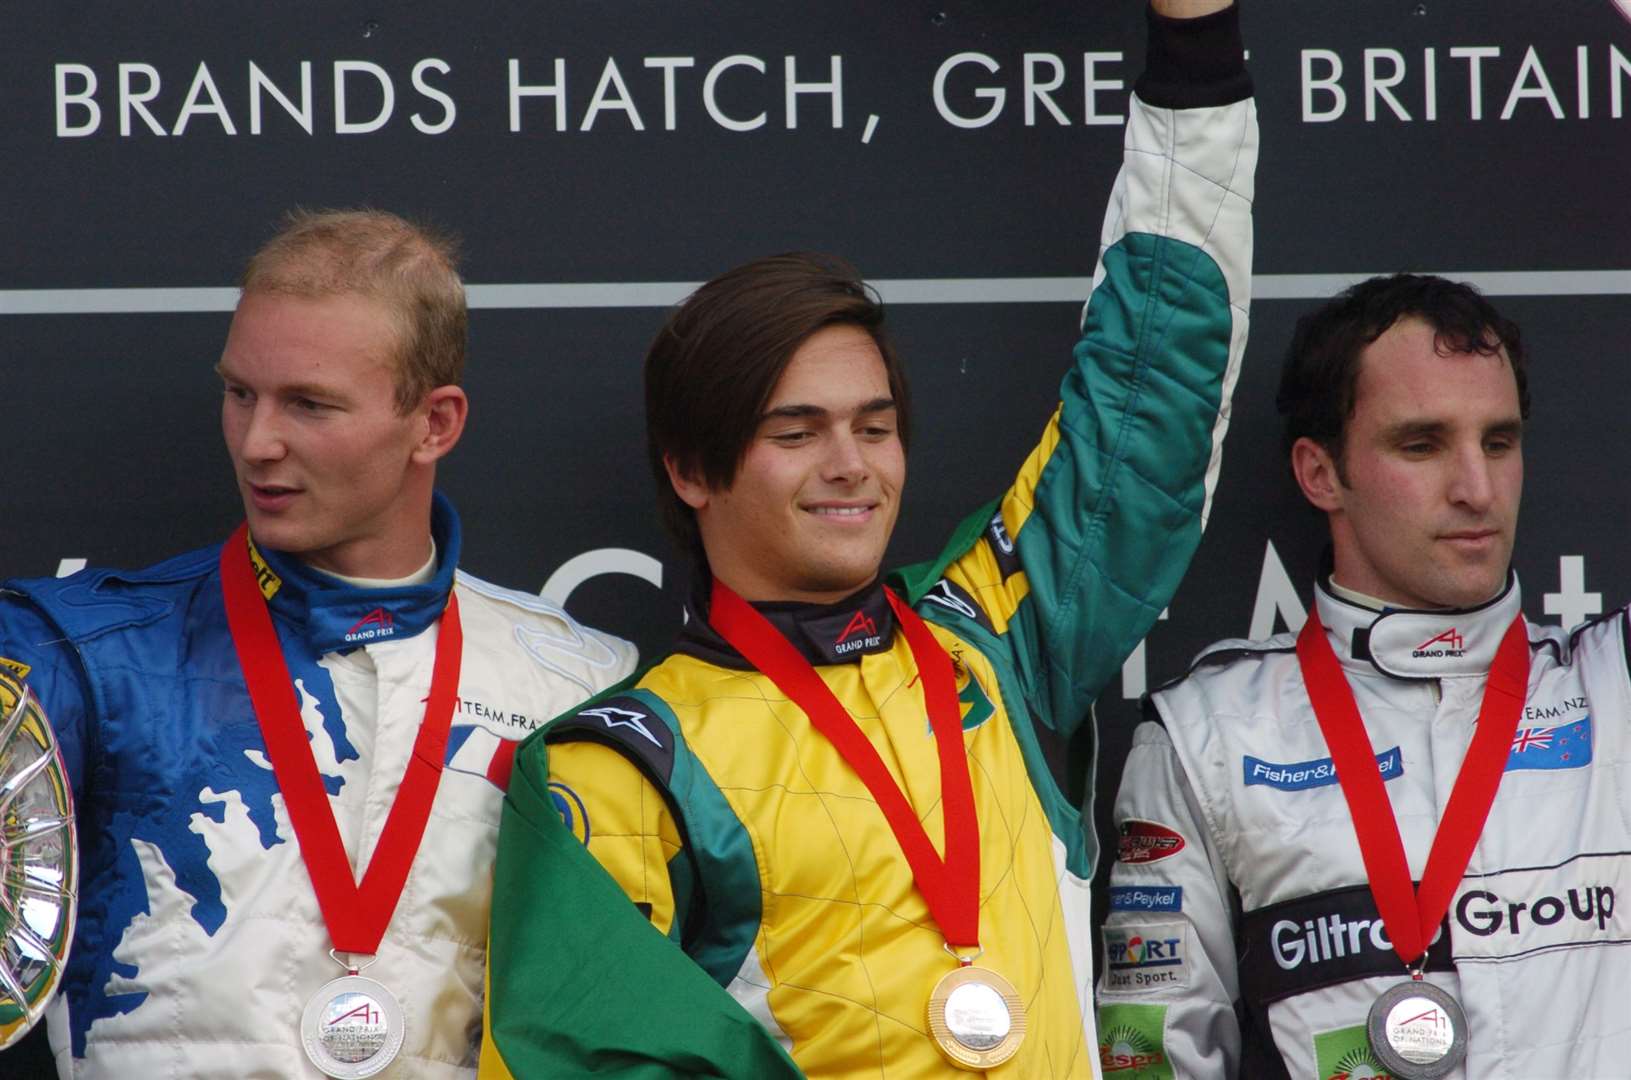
<point x="199" y="938"/>
<point x="1242" y="937"/>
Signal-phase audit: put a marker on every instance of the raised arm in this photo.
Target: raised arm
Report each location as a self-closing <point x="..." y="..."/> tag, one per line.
<point x="1078" y="558"/>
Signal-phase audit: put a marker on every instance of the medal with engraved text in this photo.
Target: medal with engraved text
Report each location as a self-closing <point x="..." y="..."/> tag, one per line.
<point x="976" y="1017"/>
<point x="352" y="1028"/>
<point x="1417" y="1031"/>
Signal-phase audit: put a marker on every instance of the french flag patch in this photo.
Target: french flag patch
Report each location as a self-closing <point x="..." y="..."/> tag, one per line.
<point x="477" y="751"/>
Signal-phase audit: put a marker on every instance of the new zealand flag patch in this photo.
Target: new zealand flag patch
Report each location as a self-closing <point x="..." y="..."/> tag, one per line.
<point x="1566" y="746"/>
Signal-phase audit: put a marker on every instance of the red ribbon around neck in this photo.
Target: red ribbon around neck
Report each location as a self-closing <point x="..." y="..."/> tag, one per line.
<point x="950" y="885"/>
<point x="1412" y="914"/>
<point x="356" y="915"/>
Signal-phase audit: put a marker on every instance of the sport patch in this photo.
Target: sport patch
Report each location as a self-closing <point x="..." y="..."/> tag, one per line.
<point x="16" y="667"/>
<point x="1301" y="775"/>
<point x="574" y="815"/>
<point x="1345" y="1054"/>
<point x="1132" y="1042"/>
<point x="1151" y="956"/>
<point x="1146" y="898"/>
<point x="1566" y="746"/>
<point x="1147" y="841"/>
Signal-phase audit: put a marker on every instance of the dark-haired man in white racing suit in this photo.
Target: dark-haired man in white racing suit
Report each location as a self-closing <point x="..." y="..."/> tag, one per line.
<point x="1244" y="937"/>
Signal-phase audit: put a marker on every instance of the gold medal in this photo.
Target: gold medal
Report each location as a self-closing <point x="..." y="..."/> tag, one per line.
<point x="976" y="1018"/>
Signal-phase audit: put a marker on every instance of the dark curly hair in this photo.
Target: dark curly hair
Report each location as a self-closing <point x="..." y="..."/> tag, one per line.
<point x="1321" y="370"/>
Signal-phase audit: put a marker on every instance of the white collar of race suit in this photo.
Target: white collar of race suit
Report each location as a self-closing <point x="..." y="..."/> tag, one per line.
<point x="1407" y="644"/>
<point x="418" y="577"/>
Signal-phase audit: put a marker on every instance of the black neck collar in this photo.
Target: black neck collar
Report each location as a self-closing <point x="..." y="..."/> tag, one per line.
<point x="839" y="633"/>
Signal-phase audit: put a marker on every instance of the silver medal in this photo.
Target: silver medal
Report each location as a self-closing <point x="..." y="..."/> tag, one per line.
<point x="1417" y="1031"/>
<point x="352" y="1028"/>
<point x="976" y="1018"/>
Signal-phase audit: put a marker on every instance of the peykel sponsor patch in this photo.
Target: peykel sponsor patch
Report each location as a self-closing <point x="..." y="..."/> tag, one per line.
<point x="1146" y="956"/>
<point x="16" y="667"/>
<point x="1301" y="775"/>
<point x="1147" y="898"/>
<point x="1147" y="841"/>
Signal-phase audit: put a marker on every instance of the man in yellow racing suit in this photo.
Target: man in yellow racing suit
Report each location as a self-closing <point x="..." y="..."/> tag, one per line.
<point x="777" y="422"/>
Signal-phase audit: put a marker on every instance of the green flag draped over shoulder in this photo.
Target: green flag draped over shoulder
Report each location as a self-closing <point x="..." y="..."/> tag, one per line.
<point x="580" y="984"/>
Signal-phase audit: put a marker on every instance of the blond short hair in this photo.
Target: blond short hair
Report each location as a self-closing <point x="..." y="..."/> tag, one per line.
<point x="409" y="269"/>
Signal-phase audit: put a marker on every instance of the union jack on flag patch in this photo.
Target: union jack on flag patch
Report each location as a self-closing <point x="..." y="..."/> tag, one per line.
<point x="1565" y="746"/>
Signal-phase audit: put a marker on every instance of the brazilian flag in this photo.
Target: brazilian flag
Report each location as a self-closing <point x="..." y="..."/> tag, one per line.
<point x="579" y="983"/>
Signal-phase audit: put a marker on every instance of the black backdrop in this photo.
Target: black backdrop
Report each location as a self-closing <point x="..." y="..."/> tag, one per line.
<point x="597" y="158"/>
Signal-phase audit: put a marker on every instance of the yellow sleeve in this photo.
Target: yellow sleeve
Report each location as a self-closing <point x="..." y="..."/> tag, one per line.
<point x="620" y="816"/>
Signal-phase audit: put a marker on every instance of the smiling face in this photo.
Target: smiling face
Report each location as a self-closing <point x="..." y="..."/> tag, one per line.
<point x="814" y="500"/>
<point x="328" y="468"/>
<point x="1424" y="508"/>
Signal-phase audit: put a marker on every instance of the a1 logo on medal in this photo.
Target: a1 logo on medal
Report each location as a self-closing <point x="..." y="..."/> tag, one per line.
<point x="352" y="1028"/>
<point x="1417" y="1031"/>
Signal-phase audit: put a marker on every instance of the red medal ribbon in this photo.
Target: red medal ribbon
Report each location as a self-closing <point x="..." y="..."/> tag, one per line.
<point x="356" y="915"/>
<point x="950" y="886"/>
<point x="1412" y="915"/>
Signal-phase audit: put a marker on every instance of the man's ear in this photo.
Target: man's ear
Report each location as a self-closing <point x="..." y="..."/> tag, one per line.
<point x="692" y="491"/>
<point x="445" y="410"/>
<point x="1316" y="473"/>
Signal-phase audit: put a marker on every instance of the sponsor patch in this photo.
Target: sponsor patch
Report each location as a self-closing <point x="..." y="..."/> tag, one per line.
<point x="573" y="813"/>
<point x="1002" y="547"/>
<point x="1565" y="746"/>
<point x="265" y="576"/>
<point x="1345" y="1054"/>
<point x="16" y="667"/>
<point x="1301" y="775"/>
<point x="1518" y="912"/>
<point x="1145" y="957"/>
<point x="1147" y="898"/>
<point x="1132" y="1043"/>
<point x="1147" y="841"/>
<point x="1299" y="945"/>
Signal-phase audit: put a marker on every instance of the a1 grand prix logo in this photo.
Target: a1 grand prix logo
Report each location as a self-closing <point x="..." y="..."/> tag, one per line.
<point x="1450" y="643"/>
<point x="861" y="632"/>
